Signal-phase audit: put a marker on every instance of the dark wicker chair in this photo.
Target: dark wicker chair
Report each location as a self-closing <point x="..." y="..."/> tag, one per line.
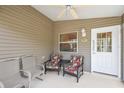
<point x="74" y="67"/>
<point x="53" y="64"/>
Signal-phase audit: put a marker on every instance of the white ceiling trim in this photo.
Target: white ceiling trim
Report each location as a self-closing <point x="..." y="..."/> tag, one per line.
<point x="84" y="11"/>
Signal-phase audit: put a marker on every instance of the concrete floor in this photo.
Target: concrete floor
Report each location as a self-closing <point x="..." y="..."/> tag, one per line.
<point x="88" y="80"/>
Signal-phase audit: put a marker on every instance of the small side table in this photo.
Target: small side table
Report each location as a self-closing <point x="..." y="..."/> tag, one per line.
<point x="64" y="61"/>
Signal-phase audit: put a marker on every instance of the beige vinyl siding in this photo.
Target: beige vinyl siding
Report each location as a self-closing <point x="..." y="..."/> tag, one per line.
<point x="76" y="25"/>
<point x="24" y="31"/>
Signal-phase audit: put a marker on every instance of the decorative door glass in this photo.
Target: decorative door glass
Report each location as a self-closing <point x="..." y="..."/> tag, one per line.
<point x="104" y="42"/>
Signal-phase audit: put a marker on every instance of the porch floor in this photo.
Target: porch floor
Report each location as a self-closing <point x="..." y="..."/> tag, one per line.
<point x="88" y="80"/>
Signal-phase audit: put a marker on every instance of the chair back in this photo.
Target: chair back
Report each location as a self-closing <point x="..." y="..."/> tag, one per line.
<point x="8" y="67"/>
<point x="56" y="57"/>
<point x="28" y="62"/>
<point x="77" y="60"/>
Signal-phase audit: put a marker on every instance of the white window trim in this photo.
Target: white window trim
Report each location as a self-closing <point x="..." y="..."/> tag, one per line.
<point x="63" y="42"/>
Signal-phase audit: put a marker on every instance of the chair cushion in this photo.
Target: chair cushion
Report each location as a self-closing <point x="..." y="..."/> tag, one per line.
<point x="76" y="60"/>
<point x="71" y="69"/>
<point x="51" y="65"/>
<point x="75" y="63"/>
<point x="55" y="59"/>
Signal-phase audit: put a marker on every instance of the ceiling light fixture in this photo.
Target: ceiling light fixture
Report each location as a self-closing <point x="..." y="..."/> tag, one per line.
<point x="68" y="10"/>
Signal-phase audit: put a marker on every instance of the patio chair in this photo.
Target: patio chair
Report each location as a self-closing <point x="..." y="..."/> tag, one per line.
<point x="74" y="67"/>
<point x="53" y="64"/>
<point x="10" y="74"/>
<point x="28" y="63"/>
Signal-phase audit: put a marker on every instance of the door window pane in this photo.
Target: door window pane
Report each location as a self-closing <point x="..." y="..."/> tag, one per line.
<point x="98" y="35"/>
<point x="99" y="48"/>
<point x="109" y="48"/>
<point x="109" y="38"/>
<point x="104" y="42"/>
<point x="103" y="35"/>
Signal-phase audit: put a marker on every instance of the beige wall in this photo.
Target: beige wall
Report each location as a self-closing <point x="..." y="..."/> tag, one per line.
<point x="23" y="30"/>
<point x="76" y="25"/>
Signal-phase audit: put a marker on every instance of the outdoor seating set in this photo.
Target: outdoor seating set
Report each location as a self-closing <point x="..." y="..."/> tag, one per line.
<point x="73" y="67"/>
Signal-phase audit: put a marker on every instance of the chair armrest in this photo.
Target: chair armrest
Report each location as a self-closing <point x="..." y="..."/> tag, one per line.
<point x="41" y="66"/>
<point x="1" y="85"/>
<point x="80" y="66"/>
<point x="67" y="64"/>
<point x="27" y="72"/>
<point x="29" y="76"/>
<point x="46" y="62"/>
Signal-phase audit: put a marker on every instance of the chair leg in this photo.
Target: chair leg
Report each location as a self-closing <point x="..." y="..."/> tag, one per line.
<point x="58" y="72"/>
<point x="45" y="71"/>
<point x="59" y="69"/>
<point x="77" y="79"/>
<point x="63" y="73"/>
<point x="82" y="70"/>
<point x="77" y="76"/>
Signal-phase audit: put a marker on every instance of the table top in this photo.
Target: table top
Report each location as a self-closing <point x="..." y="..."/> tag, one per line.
<point x="65" y="61"/>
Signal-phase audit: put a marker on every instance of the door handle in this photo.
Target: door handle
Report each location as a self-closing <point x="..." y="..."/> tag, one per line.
<point x="94" y="52"/>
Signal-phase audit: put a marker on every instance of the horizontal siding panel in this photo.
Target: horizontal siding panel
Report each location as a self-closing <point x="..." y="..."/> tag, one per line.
<point x="24" y="31"/>
<point x="25" y="12"/>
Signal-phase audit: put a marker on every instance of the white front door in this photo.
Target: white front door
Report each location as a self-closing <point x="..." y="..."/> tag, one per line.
<point x="105" y="50"/>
